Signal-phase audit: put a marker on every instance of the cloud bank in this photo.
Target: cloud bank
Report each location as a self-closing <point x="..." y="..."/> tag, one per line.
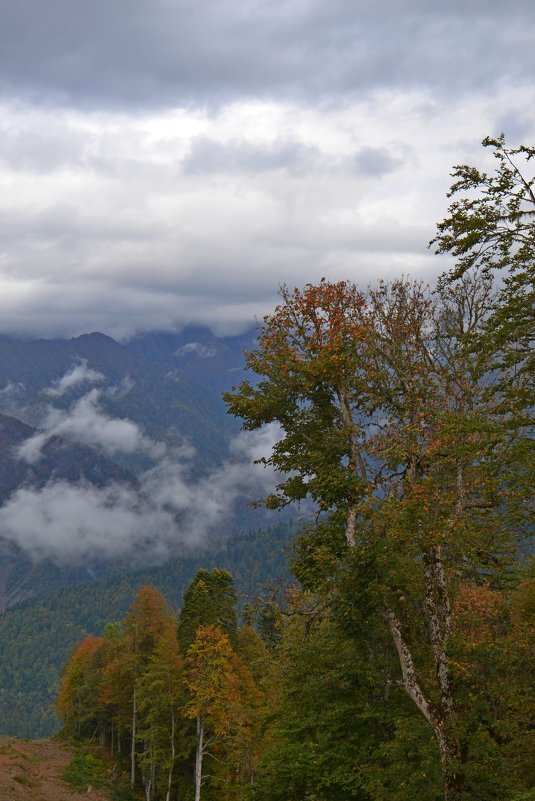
<point x="87" y="424"/>
<point x="165" y="512"/>
<point x="139" y="54"/>
<point x="169" y="163"/>
<point x="80" y="374"/>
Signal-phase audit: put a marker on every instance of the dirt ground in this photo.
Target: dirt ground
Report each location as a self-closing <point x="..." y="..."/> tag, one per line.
<point x="30" y="770"/>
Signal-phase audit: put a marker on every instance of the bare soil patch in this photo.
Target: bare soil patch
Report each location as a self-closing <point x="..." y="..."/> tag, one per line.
<point x="30" y="770"/>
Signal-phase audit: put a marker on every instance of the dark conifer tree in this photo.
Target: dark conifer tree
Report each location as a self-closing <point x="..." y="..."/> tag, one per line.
<point x="210" y="600"/>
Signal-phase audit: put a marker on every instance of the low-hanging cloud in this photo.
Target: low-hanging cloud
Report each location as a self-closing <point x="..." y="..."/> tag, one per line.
<point x="12" y="389"/>
<point x="79" y="374"/>
<point x="14" y="401"/>
<point x="196" y="349"/>
<point x="164" y="511"/>
<point x="167" y="511"/>
<point x="86" y="423"/>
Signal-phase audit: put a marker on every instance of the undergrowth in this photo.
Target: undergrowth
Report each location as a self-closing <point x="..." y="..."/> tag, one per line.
<point x="90" y="769"/>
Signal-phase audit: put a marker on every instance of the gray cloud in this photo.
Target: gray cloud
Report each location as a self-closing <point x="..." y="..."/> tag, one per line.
<point x="85" y="423"/>
<point x="208" y="156"/>
<point x="375" y="161"/>
<point x="174" y="162"/>
<point x="79" y="374"/>
<point x="152" y="54"/>
<point x="166" y="513"/>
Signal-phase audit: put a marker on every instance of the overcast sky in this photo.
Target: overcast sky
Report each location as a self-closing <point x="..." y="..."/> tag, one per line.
<point x="171" y="161"/>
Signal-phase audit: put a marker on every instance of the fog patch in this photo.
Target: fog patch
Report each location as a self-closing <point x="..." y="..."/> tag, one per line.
<point x="196" y="349"/>
<point x="85" y="423"/>
<point x="119" y="391"/>
<point x="12" y="390"/>
<point x="167" y="512"/>
<point x="12" y="398"/>
<point x="80" y="374"/>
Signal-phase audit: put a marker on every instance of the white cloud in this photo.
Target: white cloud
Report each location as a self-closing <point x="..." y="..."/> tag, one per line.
<point x="197" y="349"/>
<point x="165" y="510"/>
<point x="165" y="513"/>
<point x="80" y="374"/>
<point x="12" y="390"/>
<point x="87" y="424"/>
<point x="122" y="236"/>
<point x="30" y="450"/>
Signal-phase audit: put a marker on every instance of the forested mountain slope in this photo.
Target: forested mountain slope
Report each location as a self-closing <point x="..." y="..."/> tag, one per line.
<point x="166" y="405"/>
<point x="198" y="355"/>
<point x="36" y="636"/>
<point x="96" y="391"/>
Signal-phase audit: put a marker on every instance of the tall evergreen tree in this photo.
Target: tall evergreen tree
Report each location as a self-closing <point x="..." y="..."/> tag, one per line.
<point x="210" y="600"/>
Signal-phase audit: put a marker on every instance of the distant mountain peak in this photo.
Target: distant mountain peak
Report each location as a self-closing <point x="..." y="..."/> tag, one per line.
<point x="96" y="336"/>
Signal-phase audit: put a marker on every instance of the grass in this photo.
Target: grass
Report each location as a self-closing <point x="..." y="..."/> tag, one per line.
<point x="25" y="780"/>
<point x="86" y="770"/>
<point x="89" y="769"/>
<point x="8" y="749"/>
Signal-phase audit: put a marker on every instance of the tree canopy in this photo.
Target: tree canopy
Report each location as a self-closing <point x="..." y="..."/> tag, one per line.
<point x="388" y="426"/>
<point x="491" y="227"/>
<point x="398" y="667"/>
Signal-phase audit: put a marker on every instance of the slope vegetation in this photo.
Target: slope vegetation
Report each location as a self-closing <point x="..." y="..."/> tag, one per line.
<point x="33" y="771"/>
<point x="38" y="635"/>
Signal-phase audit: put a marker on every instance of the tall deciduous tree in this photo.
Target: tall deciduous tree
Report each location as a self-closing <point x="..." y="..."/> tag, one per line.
<point x="386" y="424"/>
<point x="77" y="702"/>
<point x="213" y="684"/>
<point x="161" y="697"/>
<point x="491" y="226"/>
<point x="144" y="624"/>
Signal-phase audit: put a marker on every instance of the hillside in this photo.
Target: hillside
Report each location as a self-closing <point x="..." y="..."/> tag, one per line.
<point x="37" y="636"/>
<point x="60" y="460"/>
<point x="198" y="355"/>
<point x="33" y="771"/>
<point x="117" y="408"/>
<point x="167" y="406"/>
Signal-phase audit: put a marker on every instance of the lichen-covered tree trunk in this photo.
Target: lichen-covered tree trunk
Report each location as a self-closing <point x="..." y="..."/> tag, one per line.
<point x="198" y="757"/>
<point x="133" y="746"/>
<point x="173" y="756"/>
<point x="437" y="611"/>
<point x="439" y="716"/>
